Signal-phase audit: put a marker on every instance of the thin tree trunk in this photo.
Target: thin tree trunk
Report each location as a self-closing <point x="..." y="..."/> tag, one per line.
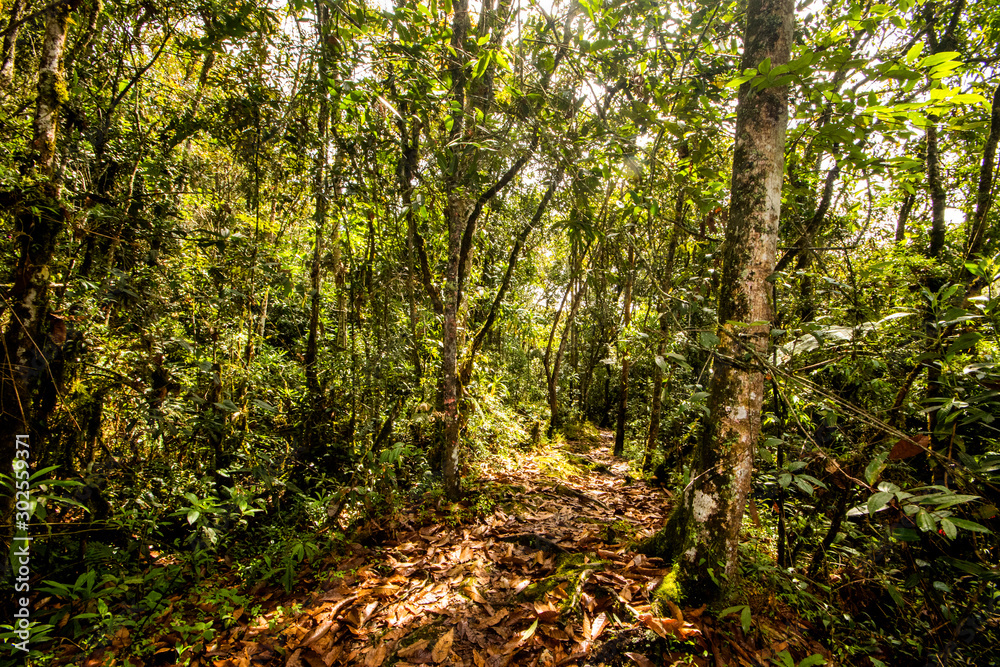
<point x="515" y="253"/>
<point x="984" y="192"/>
<point x="320" y="194"/>
<point x="10" y="45"/>
<point x="904" y="215"/>
<point x="656" y="402"/>
<point x="938" y="198"/>
<point x="555" y="418"/>
<point x="703" y="532"/>
<point x="623" y="386"/>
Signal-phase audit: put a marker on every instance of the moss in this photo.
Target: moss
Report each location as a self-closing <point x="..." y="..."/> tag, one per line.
<point x="569" y="568"/>
<point x="537" y="590"/>
<point x="670" y="589"/>
<point x="52" y="88"/>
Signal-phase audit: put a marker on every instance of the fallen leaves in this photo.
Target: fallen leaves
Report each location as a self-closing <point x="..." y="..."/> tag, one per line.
<point x="540" y="587"/>
<point x="443" y="647"/>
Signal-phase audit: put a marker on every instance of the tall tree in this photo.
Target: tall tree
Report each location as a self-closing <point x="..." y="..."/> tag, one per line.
<point x="39" y="218"/>
<point x="703" y="532"/>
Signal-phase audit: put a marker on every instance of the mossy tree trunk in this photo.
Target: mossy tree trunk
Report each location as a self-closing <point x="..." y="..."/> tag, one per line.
<point x="39" y="218"/>
<point x="703" y="532"/>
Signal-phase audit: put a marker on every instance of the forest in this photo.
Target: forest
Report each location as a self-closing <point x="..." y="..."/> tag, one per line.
<point x="505" y="332"/>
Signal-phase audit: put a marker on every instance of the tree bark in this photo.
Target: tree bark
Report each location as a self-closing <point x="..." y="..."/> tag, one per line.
<point x="10" y="45"/>
<point x="984" y="191"/>
<point x="656" y="402"/>
<point x="904" y="215"/>
<point x="938" y="198"/>
<point x="515" y="254"/>
<point x="703" y="532"/>
<point x="320" y="195"/>
<point x="623" y="385"/>
<point x="39" y="219"/>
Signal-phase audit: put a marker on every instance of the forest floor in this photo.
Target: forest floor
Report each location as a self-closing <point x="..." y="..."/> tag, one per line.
<point x="539" y="571"/>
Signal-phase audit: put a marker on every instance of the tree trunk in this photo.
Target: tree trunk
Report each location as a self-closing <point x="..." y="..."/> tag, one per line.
<point x="656" y="403"/>
<point x="904" y="215"/>
<point x="39" y="219"/>
<point x="703" y="532"/>
<point x="623" y="386"/>
<point x="10" y="45"/>
<point x="457" y="214"/>
<point x="320" y="195"/>
<point x="984" y="191"/>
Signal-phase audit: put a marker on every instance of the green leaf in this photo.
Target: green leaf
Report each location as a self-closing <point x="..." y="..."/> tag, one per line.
<point x="803" y="484"/>
<point x="193" y="515"/>
<point x="765" y="66"/>
<point x="943" y="500"/>
<point x="878" y="501"/>
<point x="894" y="594"/>
<point x="708" y="339"/>
<point x="263" y="405"/>
<point x="814" y="659"/>
<point x="950" y="531"/>
<point x="875" y="467"/>
<point x="925" y="521"/>
<point x="482" y="64"/>
<point x="228" y="406"/>
<point x="745" y="619"/>
<point x="914" y="52"/>
<point x="938" y="58"/>
<point x="739" y="81"/>
<point x="969" y="525"/>
<point x="964" y="566"/>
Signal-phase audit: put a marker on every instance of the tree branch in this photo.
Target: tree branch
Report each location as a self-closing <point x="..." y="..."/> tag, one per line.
<point x="814" y="223"/>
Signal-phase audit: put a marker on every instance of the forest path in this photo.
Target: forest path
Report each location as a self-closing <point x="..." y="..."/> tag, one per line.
<point x="533" y="569"/>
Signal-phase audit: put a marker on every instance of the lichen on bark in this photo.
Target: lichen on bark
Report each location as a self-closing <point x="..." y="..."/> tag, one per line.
<point x="702" y="534"/>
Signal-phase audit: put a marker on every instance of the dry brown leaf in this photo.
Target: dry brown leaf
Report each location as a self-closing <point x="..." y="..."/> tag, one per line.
<point x="376" y="656"/>
<point x="121" y="639"/>
<point x="495" y="618"/>
<point x="331" y="656"/>
<point x="318" y="632"/>
<point x="696" y="613"/>
<point x="520" y="639"/>
<point x="675" y="611"/>
<point x="386" y="591"/>
<point x="413" y="648"/>
<point x="640" y="660"/>
<point x="443" y="646"/>
<point x="474" y="594"/>
<point x="598" y="625"/>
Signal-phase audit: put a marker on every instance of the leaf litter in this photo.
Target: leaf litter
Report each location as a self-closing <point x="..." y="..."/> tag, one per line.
<point x="547" y="580"/>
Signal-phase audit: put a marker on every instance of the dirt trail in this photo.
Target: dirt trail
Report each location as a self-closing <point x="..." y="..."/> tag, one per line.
<point x="544" y="578"/>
